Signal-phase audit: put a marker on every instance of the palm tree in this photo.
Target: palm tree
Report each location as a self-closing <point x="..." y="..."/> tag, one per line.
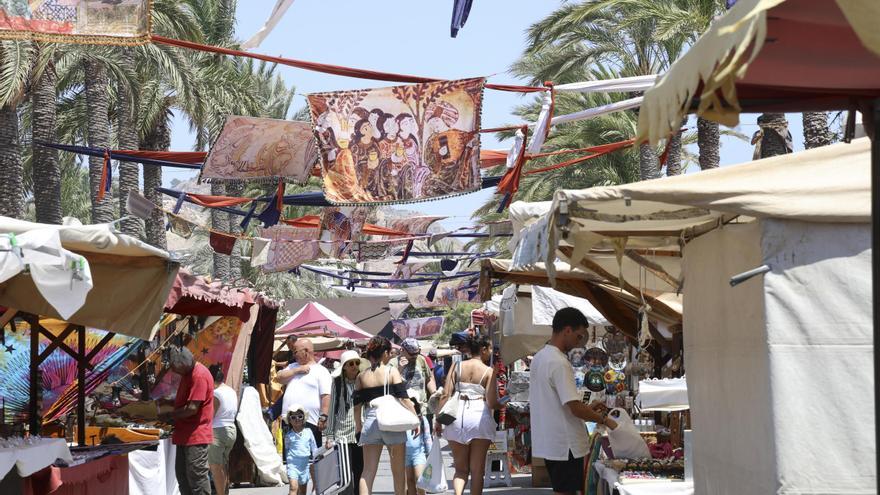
<point x="127" y="137"/>
<point x="45" y="168"/>
<point x="816" y="132"/>
<point x="15" y="63"/>
<point x="709" y="143"/>
<point x="773" y="135"/>
<point x="97" y="84"/>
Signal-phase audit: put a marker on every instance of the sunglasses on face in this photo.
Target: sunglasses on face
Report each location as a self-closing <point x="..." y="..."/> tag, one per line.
<point x="296" y="417"/>
<point x="353" y="363"/>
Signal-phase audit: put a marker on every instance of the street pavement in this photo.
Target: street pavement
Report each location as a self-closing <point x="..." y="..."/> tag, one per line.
<point x="384" y="484"/>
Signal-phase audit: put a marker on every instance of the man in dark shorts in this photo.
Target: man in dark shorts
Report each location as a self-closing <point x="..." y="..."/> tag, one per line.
<point x="558" y="433"/>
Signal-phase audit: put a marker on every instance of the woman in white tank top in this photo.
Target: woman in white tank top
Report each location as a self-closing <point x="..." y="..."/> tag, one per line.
<point x="225" y="433"/>
<point x="474" y="427"/>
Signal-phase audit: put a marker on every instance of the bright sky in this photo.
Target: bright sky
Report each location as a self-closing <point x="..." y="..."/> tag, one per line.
<point x="412" y="37"/>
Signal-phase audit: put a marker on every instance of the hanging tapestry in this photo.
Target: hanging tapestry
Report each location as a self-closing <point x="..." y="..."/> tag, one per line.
<point x="76" y="21"/>
<point x="418" y="328"/>
<point x="446" y="294"/>
<point x="181" y="226"/>
<point x="222" y="243"/>
<point x="261" y="150"/>
<point x="412" y="225"/>
<point x="58" y="372"/>
<point x="339" y="225"/>
<point x="286" y="249"/>
<point x="401" y="143"/>
<point x="371" y="251"/>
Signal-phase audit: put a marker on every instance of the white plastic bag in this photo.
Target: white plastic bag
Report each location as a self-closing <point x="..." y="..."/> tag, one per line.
<point x="626" y="442"/>
<point x="433" y="478"/>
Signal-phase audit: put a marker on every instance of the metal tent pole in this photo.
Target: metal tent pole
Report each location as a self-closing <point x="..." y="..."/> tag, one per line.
<point x="875" y="245"/>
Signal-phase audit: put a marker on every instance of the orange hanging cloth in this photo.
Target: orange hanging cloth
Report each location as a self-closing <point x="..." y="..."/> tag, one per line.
<point x="208" y="201"/>
<point x="104" y="169"/>
<point x="188" y="157"/>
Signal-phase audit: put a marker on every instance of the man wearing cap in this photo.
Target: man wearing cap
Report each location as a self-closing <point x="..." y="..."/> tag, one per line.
<point x="413" y="367"/>
<point x="340" y="426"/>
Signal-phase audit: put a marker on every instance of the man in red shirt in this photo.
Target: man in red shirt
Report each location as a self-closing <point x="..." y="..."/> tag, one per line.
<point x="192" y="416"/>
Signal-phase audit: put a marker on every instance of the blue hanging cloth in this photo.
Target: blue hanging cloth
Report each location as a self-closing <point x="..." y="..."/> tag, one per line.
<point x="250" y="214"/>
<point x="270" y="215"/>
<point x="433" y="290"/>
<point x="460" y="11"/>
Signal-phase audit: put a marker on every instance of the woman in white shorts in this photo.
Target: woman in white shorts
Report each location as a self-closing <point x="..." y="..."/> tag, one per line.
<point x="474" y="427"/>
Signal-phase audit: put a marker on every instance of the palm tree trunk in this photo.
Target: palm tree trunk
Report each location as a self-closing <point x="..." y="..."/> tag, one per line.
<point x="98" y="108"/>
<point x="46" y="171"/>
<point x="220" y="221"/>
<point x="673" y="156"/>
<point x="649" y="164"/>
<point x="709" y="143"/>
<point x="11" y="172"/>
<point x="126" y="114"/>
<point x="816" y="132"/>
<point x="775" y="128"/>
<point x="159" y="139"/>
<point x="236" y="189"/>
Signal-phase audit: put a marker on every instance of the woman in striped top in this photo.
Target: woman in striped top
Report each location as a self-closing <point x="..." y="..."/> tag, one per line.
<point x="340" y="426"/>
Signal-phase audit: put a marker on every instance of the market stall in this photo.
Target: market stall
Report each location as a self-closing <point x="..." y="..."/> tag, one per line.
<point x="746" y="238"/>
<point x="59" y="283"/>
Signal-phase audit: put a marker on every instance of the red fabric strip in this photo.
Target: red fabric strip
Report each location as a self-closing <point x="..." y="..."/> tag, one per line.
<point x="188" y="157"/>
<point x="209" y="201"/>
<point x="327" y="68"/>
<point x="314" y="222"/>
<point x="103" y="185"/>
<point x="221" y="243"/>
<point x="279" y="200"/>
<point x="510" y="182"/>
<point x="492" y="158"/>
<point x="370" y="229"/>
<point x="501" y="129"/>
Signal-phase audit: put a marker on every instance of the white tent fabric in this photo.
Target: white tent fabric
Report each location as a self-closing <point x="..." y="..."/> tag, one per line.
<point x="772" y="343"/>
<point x="131" y="279"/>
<point x="546" y="302"/>
<point x="668" y="394"/>
<point x="258" y="439"/>
<point x="62" y="277"/>
<point x="152" y="473"/>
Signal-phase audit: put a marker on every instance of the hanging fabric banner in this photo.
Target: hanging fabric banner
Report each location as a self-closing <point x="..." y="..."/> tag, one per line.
<point x="76" y="21"/>
<point x="340" y="224"/>
<point x="418" y="328"/>
<point x="401" y="143"/>
<point x="284" y="254"/>
<point x="412" y="225"/>
<point x="251" y="149"/>
<point x="446" y="294"/>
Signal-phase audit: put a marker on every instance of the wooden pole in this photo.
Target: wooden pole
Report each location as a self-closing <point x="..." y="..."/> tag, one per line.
<point x="33" y="413"/>
<point x="81" y="387"/>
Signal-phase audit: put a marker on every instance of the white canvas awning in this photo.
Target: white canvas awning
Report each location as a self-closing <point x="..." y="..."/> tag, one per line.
<point x="131" y="279"/>
<point x="668" y="394"/>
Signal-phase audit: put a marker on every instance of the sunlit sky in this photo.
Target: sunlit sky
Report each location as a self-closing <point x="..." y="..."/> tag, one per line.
<point x="412" y="37"/>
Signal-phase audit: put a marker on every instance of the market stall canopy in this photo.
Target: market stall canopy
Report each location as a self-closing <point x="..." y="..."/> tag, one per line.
<point x="196" y="295"/>
<point x="315" y="315"/>
<point x="131" y="279"/>
<point x="771" y="56"/>
<point x="370" y="314"/>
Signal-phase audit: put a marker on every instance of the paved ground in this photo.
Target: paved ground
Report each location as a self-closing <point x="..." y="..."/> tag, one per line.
<point x="383" y="484"/>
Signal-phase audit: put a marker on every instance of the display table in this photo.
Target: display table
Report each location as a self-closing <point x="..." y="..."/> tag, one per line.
<point x="30" y="457"/>
<point x="610" y="481"/>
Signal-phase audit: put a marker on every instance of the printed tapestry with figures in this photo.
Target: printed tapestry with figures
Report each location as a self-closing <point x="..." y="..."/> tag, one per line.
<point x="119" y="22"/>
<point x="401" y="143"/>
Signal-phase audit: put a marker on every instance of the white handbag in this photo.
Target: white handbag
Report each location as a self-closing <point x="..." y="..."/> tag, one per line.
<point x="449" y="411"/>
<point x="390" y="413"/>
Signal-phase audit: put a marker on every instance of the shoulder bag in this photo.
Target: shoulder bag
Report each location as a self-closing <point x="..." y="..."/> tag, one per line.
<point x="390" y="413"/>
<point x="449" y="412"/>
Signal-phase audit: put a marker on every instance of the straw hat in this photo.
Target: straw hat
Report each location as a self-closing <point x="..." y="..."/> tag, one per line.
<point x="346" y="357"/>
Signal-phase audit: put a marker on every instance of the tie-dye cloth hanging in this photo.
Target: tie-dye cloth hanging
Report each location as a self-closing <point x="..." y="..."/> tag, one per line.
<point x="251" y="149"/>
<point x="445" y="294"/>
<point x="339" y="225"/>
<point x="76" y="21"/>
<point x="286" y="249"/>
<point x="401" y="143"/>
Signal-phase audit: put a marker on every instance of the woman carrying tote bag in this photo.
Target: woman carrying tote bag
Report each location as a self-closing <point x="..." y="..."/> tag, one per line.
<point x="380" y="390"/>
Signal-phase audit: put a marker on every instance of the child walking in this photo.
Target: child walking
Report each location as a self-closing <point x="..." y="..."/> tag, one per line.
<point x="299" y="446"/>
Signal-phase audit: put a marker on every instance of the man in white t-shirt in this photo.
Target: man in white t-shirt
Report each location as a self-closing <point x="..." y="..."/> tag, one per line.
<point x="558" y="433"/>
<point x="309" y="385"/>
